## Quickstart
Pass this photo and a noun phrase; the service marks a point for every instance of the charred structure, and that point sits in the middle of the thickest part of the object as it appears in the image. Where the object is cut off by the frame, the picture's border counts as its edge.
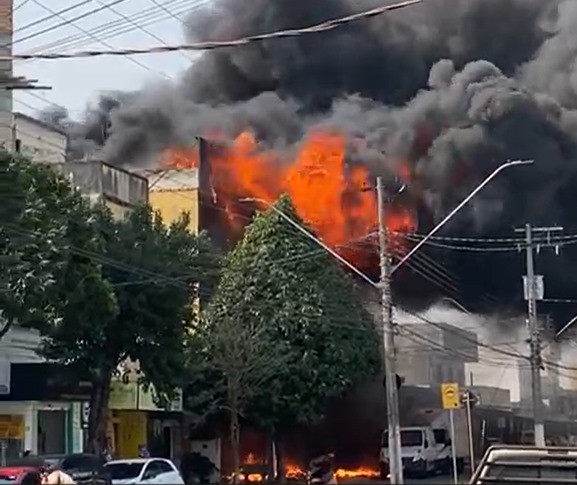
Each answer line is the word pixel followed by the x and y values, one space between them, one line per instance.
pixel 436 96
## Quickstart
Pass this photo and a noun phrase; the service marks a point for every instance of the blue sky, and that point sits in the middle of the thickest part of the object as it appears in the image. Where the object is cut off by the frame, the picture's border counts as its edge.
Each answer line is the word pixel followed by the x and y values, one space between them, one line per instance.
pixel 124 23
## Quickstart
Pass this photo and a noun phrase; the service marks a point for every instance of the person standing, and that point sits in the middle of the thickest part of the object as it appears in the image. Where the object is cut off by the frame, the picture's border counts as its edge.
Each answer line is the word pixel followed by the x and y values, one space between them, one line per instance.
pixel 143 451
pixel 53 476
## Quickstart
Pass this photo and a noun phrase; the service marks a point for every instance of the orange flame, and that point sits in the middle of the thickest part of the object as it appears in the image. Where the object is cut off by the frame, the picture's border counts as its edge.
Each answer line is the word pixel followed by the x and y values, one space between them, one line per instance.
pixel 296 473
pixel 333 198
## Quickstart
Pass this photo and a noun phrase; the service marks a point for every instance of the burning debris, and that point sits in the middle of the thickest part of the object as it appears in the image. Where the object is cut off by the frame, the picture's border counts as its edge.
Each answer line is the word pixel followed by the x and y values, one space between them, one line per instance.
pixel 295 473
pixel 435 97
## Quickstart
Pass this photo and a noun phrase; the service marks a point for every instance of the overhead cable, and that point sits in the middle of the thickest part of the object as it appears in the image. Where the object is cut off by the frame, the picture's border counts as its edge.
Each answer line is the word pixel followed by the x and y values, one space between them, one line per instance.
pixel 212 45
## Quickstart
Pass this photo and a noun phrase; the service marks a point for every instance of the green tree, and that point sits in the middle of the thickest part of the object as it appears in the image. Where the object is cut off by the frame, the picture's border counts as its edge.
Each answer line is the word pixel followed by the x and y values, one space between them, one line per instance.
pixel 155 272
pixel 98 290
pixel 234 360
pixel 41 219
pixel 278 280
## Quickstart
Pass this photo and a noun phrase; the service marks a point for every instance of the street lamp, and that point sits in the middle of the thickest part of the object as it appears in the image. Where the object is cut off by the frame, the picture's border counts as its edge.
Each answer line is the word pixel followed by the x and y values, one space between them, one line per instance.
pixel 451 214
pixel 390 358
pixel 418 246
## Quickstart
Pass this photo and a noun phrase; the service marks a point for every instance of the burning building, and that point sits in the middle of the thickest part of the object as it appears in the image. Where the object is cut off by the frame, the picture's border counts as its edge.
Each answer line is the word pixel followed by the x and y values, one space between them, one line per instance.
pixel 435 96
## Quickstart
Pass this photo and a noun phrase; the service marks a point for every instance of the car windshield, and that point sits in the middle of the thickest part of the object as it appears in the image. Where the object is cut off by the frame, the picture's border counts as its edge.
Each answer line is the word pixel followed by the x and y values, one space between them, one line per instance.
pixel 123 471
pixel 408 438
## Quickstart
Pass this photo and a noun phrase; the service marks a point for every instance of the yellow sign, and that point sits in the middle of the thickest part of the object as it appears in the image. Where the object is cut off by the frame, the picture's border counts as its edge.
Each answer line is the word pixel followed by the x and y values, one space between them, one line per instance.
pixel 123 396
pixel 11 427
pixel 450 395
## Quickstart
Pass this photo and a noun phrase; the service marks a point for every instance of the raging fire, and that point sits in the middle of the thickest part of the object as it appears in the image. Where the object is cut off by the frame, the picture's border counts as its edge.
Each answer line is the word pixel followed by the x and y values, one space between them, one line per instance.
pixel 334 198
pixel 296 473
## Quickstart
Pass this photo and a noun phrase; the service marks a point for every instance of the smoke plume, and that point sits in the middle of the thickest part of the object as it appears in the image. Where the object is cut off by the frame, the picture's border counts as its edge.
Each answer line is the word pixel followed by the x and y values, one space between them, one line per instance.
pixel 449 88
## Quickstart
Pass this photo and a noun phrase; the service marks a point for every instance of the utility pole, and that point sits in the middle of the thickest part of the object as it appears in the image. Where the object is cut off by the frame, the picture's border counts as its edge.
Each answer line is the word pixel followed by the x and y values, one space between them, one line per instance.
pixel 389 350
pixel 534 290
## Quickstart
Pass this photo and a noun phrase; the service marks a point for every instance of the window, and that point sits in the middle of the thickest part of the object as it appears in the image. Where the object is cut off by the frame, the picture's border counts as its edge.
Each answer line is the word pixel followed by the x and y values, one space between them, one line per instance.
pixel 408 438
pixel 412 438
pixel 124 471
pixel 152 470
pixel 5 102
pixel 164 467
pixel 18 145
pixel 440 436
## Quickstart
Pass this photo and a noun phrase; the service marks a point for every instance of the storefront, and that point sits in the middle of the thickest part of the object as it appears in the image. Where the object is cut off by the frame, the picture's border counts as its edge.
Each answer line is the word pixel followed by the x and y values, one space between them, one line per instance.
pixel 41 411
pixel 135 420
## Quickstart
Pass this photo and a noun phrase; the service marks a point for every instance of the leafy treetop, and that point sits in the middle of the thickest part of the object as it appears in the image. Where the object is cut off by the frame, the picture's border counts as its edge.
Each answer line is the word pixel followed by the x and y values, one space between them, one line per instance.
pixel 279 278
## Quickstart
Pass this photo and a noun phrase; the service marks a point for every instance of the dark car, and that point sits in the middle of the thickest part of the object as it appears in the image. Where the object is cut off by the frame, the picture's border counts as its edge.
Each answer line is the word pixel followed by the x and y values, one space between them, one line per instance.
pixel 19 475
pixel 84 468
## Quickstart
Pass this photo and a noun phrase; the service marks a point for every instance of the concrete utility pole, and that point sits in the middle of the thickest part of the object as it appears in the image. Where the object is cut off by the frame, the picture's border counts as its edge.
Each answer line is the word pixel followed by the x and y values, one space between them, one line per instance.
pixel 389 350
pixel 534 290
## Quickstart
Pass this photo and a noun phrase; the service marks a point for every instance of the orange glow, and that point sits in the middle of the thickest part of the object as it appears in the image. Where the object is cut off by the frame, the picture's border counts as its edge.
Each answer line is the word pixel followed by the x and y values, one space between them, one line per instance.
pixel 333 198
pixel 295 473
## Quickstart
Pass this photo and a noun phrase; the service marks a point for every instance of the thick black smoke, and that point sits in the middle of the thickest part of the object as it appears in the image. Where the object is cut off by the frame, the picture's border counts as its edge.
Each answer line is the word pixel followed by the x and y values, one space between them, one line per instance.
pixel 452 88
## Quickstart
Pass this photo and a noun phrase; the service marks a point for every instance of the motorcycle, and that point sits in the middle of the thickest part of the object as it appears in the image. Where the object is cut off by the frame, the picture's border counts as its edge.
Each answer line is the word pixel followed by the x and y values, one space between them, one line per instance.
pixel 321 470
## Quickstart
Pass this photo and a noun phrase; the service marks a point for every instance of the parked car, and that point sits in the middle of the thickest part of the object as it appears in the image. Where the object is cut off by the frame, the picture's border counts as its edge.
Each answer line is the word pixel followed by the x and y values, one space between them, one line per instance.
pixel 143 471
pixel 84 468
pixel 19 475
pixel 505 464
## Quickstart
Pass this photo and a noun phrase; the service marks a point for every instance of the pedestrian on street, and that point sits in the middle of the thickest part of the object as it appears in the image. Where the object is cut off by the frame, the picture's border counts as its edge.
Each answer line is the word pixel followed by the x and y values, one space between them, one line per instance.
pixel 52 476
pixel 143 451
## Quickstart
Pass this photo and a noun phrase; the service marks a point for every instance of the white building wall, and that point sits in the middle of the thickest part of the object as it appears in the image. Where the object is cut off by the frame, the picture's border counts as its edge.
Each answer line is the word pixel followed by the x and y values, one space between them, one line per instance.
pixel 38 141
pixel 19 346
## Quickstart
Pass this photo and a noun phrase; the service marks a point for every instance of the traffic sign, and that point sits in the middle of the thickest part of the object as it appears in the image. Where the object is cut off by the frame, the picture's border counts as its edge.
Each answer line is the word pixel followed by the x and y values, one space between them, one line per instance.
pixel 450 395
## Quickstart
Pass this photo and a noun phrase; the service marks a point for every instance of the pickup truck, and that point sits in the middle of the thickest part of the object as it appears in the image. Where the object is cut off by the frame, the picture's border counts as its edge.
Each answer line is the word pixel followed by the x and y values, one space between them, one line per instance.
pixel 504 464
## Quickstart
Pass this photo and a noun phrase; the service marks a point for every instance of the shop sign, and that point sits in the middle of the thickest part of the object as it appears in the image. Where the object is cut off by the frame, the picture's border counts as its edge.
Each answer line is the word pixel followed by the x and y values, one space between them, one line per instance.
pixel 11 427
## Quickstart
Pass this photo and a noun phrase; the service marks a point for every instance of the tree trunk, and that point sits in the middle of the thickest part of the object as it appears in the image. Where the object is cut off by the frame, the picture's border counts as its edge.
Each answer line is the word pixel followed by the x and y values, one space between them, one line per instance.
pixel 235 443
pixel 281 472
pixel 97 439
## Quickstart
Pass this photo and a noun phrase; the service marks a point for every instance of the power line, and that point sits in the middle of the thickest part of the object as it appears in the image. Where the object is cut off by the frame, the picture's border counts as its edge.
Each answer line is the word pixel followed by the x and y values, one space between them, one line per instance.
pixel 136 25
pixel 82 29
pixel 565 241
pixel 18 7
pixel 114 28
pixel 212 45
pixel 48 17
pixel 61 17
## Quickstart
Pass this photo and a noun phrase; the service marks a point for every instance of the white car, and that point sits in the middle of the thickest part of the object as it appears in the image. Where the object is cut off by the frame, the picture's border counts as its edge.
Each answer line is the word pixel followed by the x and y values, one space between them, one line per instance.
pixel 143 471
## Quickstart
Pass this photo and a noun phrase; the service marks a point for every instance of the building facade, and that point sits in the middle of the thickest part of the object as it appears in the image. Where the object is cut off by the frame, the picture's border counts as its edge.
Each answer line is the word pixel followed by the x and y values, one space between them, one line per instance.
pixel 173 192
pixel 38 410
pixel 431 355
pixel 119 189
pixel 38 141
pixel 6 97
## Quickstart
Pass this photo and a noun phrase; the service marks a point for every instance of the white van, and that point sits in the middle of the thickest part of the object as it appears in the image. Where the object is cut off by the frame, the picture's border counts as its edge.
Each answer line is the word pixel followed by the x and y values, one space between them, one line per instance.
pixel 425 451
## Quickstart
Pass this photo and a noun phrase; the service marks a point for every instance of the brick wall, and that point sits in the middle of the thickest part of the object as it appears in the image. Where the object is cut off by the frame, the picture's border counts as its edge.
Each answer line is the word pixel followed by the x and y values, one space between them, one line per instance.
pixel 6 16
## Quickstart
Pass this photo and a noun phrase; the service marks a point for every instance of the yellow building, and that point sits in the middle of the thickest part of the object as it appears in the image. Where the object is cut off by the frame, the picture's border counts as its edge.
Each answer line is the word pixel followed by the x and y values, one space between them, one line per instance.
pixel 133 415
pixel 130 407
pixel 173 192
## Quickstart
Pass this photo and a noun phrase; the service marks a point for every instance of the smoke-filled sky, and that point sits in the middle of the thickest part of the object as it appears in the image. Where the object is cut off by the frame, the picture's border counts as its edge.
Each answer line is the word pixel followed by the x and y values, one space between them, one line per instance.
pixel 450 89
pixel 128 23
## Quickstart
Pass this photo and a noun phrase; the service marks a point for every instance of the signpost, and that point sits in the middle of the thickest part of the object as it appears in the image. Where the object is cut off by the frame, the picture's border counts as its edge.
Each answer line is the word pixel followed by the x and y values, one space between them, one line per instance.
pixel 469 400
pixel 3 448
pixel 452 400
